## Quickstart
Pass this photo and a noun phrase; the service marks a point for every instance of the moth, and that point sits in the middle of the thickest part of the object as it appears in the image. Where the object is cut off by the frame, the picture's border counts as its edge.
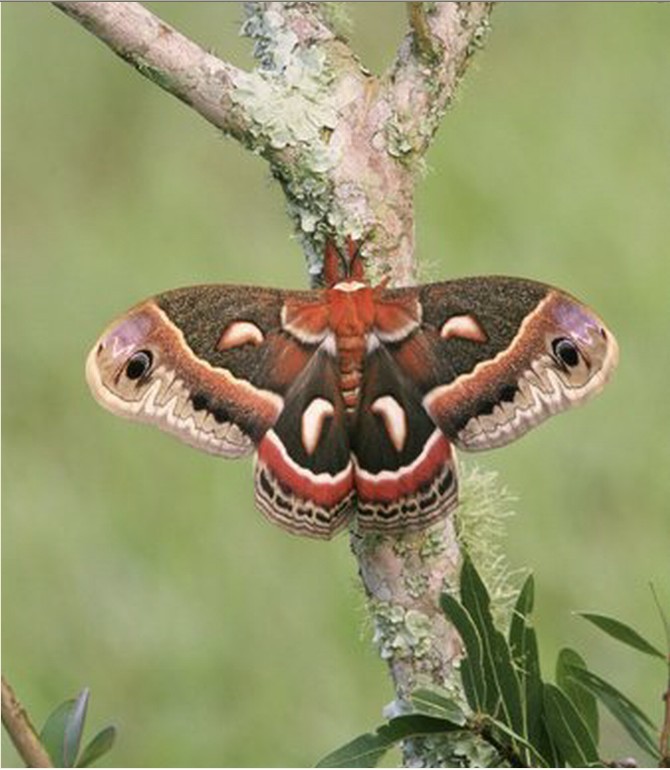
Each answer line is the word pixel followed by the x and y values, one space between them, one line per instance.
pixel 352 396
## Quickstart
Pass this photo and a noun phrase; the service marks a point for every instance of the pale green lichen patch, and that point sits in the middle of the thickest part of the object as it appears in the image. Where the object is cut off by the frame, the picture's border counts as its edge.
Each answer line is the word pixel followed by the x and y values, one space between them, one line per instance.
pixel 433 545
pixel 401 633
pixel 478 39
pixel 453 749
pixel 398 141
pixel 273 39
pixel 401 547
pixel 288 97
pixel 416 584
pixel 285 114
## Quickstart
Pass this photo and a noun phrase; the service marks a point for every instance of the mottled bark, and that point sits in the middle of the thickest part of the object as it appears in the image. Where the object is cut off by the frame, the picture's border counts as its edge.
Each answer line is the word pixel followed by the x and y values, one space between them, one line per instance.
pixel 345 146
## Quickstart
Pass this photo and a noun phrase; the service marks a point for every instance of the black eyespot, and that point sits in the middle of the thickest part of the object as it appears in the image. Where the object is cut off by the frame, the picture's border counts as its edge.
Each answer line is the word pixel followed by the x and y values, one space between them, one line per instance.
pixel 139 364
pixel 565 351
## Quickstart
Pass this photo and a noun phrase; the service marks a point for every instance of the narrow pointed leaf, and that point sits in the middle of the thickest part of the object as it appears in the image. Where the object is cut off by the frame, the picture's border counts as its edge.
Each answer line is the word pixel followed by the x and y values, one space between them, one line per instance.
pixel 636 723
pixel 546 746
pixel 568 730
pixel 472 674
pixel 502 683
pixel 98 747
pixel 665 618
pixel 364 751
pixel 433 703
pixel 367 750
pixel 520 616
pixel 52 736
pixel 582 699
pixel 623 633
pixel 524 649
pixel 74 728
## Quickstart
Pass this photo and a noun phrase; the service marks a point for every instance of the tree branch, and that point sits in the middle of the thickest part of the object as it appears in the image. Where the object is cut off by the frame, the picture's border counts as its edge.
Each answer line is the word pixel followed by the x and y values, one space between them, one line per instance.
pixel 21 731
pixel 170 60
pixel 430 63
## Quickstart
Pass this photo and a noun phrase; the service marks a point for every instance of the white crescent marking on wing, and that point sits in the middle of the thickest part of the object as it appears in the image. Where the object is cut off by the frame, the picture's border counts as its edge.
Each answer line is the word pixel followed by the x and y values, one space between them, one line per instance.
pixel 464 327
pixel 240 333
pixel 395 419
pixel 312 422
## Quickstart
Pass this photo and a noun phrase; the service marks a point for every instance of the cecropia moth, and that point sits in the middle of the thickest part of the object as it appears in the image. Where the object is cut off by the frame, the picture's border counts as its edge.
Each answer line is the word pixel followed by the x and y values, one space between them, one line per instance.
pixel 353 396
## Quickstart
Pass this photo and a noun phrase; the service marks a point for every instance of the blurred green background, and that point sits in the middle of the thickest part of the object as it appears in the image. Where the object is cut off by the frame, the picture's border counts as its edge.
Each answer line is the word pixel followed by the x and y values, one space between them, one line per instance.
pixel 140 568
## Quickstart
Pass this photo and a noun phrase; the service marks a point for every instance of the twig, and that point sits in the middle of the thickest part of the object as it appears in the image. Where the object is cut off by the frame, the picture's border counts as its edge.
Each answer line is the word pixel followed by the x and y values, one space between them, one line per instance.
pixel 430 63
pixel 21 731
pixel 168 58
pixel 423 39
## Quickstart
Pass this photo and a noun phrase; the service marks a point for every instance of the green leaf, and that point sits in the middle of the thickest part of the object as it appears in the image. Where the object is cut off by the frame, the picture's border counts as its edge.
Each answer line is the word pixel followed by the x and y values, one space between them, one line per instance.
pixel 52 736
pixel 520 616
pixel 364 751
pixel 524 649
pixel 568 730
pixel 623 633
pixel 665 619
pixel 99 746
pixel 582 699
pixel 472 673
pixel 368 749
pixel 61 734
pixel 74 728
pixel 502 683
pixel 636 723
pixel 545 745
pixel 435 703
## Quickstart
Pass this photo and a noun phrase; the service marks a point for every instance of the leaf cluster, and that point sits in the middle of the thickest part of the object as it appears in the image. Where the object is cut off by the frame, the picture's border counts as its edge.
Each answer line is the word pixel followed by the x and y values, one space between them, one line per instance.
pixel 62 733
pixel 523 720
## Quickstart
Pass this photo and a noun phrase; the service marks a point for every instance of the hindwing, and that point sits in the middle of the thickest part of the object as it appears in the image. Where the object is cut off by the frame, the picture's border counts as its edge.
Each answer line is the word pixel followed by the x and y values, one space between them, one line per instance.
pixel 405 472
pixel 304 472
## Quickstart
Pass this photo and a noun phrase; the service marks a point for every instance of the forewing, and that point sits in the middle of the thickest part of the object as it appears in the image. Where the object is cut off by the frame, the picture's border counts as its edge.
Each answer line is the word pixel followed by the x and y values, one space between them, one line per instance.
pixel 219 364
pixel 495 356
